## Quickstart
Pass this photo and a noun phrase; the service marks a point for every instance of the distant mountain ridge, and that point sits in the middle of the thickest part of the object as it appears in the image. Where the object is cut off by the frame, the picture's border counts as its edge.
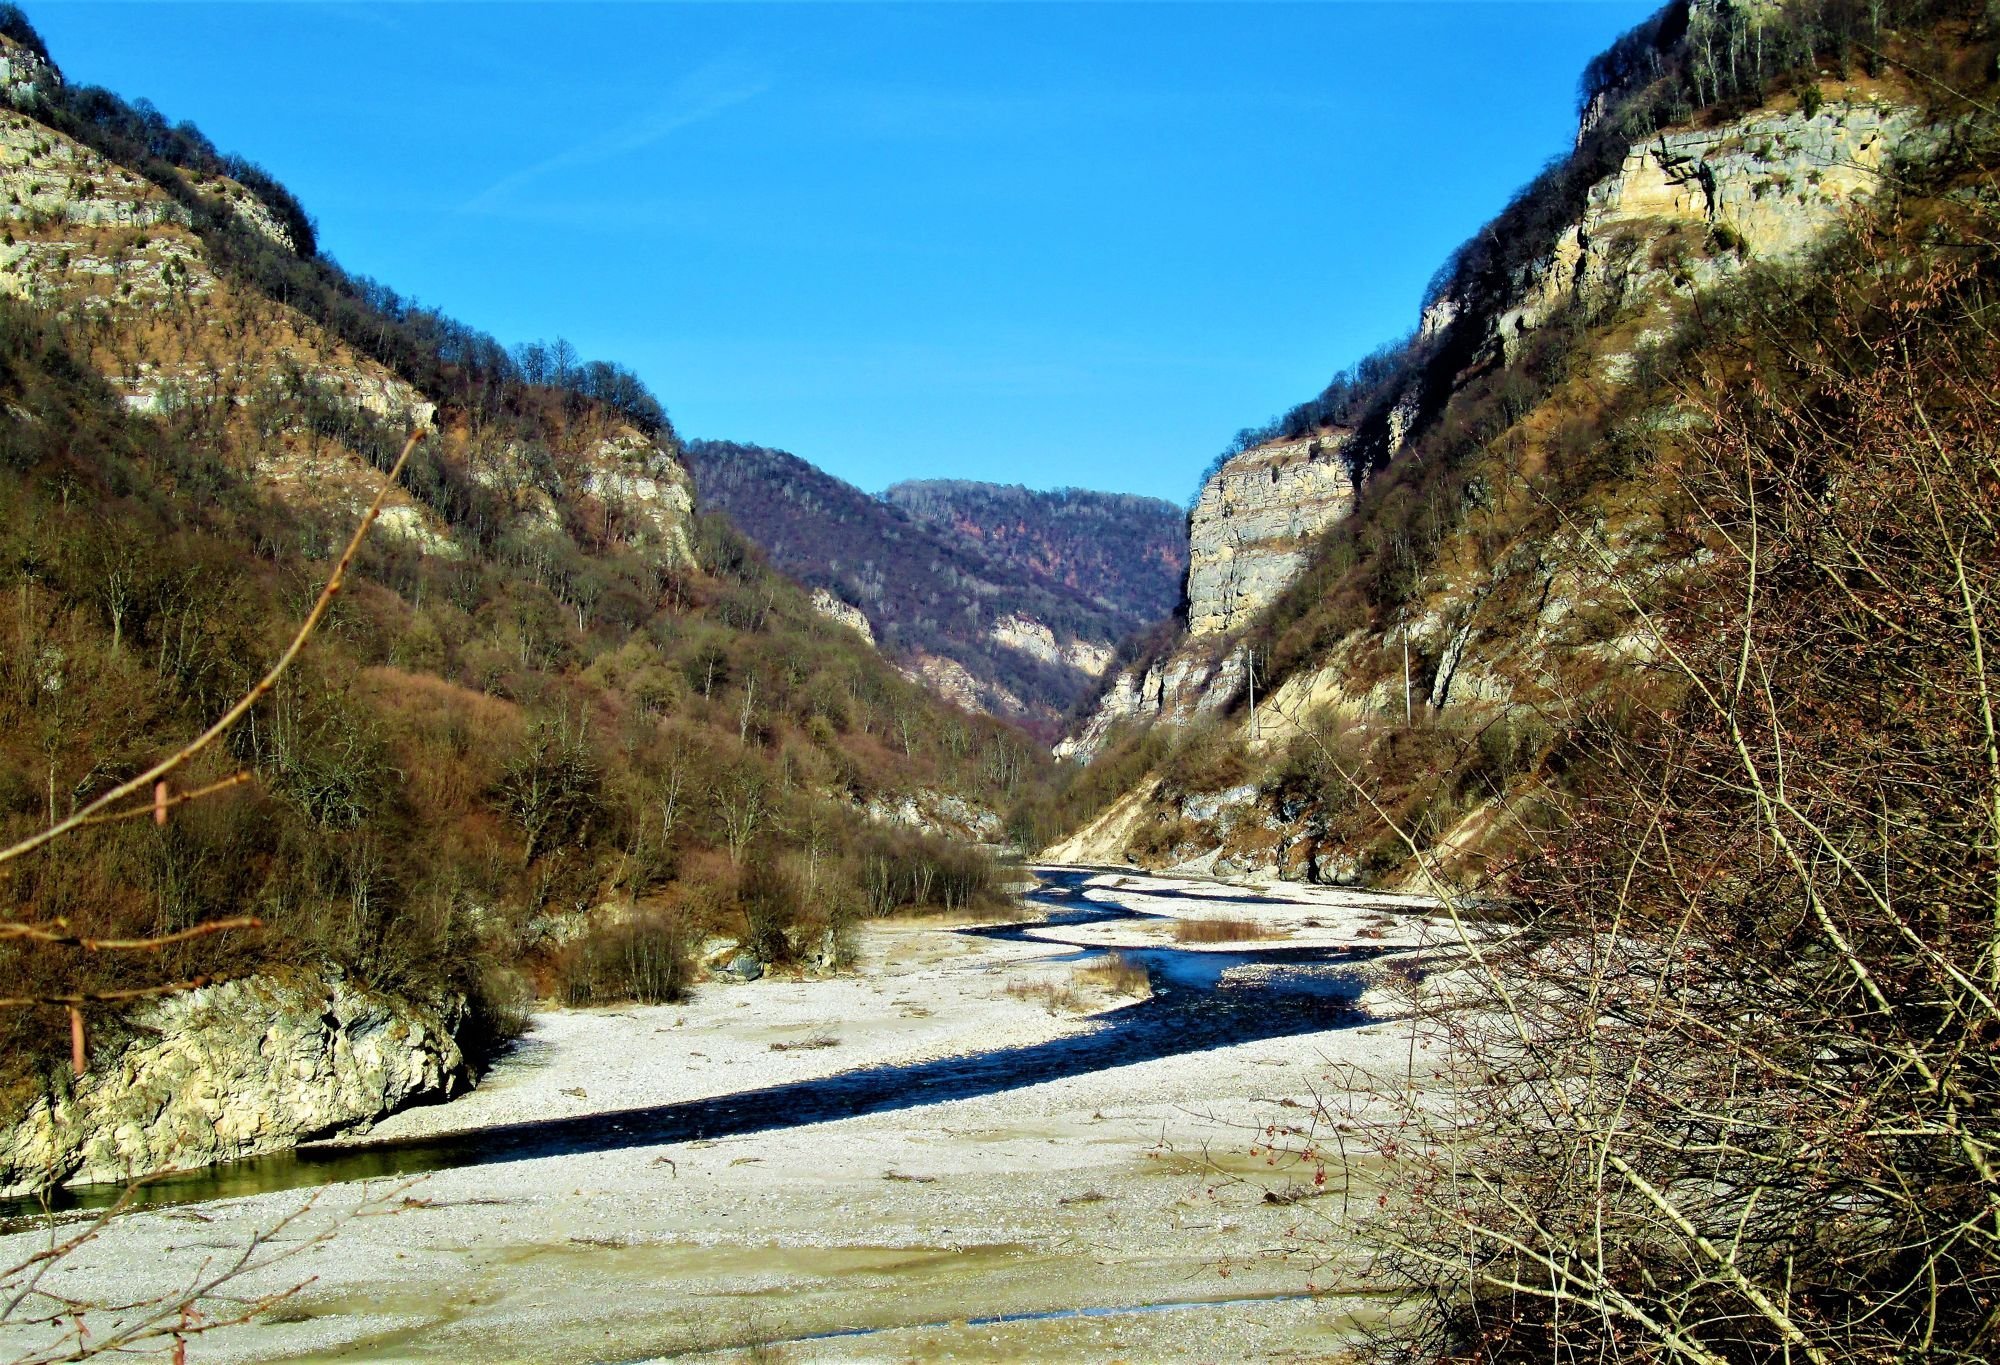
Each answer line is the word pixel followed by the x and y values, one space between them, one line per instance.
pixel 1126 550
pixel 993 596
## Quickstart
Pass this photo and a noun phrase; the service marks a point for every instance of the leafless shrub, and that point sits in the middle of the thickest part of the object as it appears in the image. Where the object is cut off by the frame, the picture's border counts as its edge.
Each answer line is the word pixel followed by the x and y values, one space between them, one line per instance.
pixel 1732 1092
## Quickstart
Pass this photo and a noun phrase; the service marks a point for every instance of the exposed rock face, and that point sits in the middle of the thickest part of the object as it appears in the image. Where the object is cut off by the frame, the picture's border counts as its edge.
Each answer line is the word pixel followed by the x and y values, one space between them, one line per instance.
pixel 24 75
pixel 831 607
pixel 934 812
pixel 1248 534
pixel 1766 187
pixel 1187 684
pixel 253 1065
pixel 951 680
pixel 651 493
pixel 1032 638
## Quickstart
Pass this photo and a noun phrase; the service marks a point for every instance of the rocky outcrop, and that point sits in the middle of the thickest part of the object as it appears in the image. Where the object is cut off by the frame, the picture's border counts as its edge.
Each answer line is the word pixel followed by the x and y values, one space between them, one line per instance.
pixel 24 75
pixel 1255 518
pixel 1031 637
pixel 930 811
pixel 646 489
pixel 833 609
pixel 233 1070
pixel 1190 683
pixel 1762 188
pixel 950 679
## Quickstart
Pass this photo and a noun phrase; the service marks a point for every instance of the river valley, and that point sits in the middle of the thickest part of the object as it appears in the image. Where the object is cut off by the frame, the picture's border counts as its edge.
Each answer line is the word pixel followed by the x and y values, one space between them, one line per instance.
pixel 944 1155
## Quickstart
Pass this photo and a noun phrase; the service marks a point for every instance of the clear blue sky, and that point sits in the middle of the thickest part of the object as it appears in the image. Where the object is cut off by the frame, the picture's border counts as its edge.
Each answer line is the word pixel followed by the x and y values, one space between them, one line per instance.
pixel 1045 244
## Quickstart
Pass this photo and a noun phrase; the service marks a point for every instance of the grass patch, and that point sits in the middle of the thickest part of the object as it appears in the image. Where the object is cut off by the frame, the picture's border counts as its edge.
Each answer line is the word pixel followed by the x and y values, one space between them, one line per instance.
pixel 1218 929
pixel 1057 997
pixel 1115 973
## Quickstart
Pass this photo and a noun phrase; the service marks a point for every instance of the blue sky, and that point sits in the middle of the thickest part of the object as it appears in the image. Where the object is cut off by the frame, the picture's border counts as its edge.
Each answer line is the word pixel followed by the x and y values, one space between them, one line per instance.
pixel 1034 243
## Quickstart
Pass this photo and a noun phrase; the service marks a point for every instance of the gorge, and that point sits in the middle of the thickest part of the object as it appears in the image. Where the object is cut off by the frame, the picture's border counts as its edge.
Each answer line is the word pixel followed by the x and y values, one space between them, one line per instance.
pixel 1507 874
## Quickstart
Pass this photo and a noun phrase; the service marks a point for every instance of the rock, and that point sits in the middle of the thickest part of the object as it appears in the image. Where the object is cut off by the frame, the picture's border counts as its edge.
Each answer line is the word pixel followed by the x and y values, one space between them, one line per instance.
pixel 1335 867
pixel 1209 805
pixel 1251 526
pixel 1029 636
pixel 1765 187
pixel 1189 683
pixel 831 607
pixel 951 680
pixel 930 811
pixel 249 1066
pixel 744 967
pixel 636 477
pixel 24 75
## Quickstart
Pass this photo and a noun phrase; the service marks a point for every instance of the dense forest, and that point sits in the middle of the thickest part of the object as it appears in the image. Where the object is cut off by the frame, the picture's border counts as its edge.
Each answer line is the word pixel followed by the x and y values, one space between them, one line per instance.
pixel 924 588
pixel 1127 551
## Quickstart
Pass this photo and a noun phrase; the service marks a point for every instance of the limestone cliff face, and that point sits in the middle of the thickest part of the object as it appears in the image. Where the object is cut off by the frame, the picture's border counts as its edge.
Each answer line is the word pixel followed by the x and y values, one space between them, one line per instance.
pixel 643 491
pixel 1249 530
pixel 1684 212
pixel 954 682
pixel 833 609
pixel 1766 187
pixel 250 1066
pixel 1248 536
pixel 1192 682
pixel 1031 637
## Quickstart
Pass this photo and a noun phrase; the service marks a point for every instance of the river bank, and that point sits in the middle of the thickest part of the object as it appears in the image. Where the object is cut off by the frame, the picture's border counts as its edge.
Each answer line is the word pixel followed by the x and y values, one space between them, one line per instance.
pixel 890 1235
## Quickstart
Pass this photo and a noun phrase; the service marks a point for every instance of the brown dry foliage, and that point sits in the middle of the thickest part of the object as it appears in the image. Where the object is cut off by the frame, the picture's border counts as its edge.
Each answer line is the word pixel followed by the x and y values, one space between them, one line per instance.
pixel 1733 1093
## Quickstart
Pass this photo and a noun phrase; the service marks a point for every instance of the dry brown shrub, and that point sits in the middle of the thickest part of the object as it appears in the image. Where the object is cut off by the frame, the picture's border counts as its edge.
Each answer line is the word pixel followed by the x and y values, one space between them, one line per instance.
pixel 1220 929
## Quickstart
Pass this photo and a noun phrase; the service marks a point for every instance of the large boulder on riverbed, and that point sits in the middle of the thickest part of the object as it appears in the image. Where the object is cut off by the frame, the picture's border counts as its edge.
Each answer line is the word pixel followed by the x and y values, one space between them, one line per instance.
pixel 249 1066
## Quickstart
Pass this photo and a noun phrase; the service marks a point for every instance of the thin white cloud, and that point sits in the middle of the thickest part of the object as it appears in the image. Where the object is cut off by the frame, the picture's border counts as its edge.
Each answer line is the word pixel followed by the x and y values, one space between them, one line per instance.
pixel 700 95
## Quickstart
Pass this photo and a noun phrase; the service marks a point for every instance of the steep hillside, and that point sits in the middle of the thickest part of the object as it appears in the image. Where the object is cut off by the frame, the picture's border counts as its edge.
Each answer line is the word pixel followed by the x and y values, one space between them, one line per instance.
pixel 561 733
pixel 984 626
pixel 1423 572
pixel 1126 551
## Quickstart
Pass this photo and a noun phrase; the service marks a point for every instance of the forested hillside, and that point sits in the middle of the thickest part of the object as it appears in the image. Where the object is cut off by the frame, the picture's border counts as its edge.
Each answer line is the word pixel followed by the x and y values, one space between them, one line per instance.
pixel 1659 619
pixel 998 629
pixel 1128 552
pixel 559 730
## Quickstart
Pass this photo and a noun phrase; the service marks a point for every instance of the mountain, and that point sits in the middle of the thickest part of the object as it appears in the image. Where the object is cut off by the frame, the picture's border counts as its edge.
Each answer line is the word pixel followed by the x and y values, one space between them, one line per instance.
pixel 561 727
pixel 1127 551
pixel 1018 622
pixel 1638 608
pixel 1439 544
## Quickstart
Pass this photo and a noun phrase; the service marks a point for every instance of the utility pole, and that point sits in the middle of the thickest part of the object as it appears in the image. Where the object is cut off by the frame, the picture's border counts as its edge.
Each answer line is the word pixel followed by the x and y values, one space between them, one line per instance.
pixel 1250 671
pixel 1405 624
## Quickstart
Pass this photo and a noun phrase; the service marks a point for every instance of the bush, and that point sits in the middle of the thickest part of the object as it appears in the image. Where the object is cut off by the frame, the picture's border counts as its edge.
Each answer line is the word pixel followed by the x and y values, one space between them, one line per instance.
pixel 771 902
pixel 643 959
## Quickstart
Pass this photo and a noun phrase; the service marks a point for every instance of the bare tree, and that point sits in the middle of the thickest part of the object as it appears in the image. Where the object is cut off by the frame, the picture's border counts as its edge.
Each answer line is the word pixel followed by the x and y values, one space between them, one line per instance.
pixel 207 1298
pixel 1727 1089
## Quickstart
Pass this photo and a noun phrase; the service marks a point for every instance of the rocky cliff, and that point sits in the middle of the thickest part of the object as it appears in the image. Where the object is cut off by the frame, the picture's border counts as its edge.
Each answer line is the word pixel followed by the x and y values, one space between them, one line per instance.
pixel 1252 523
pixel 1496 628
pixel 1690 207
pixel 503 751
pixel 250 1066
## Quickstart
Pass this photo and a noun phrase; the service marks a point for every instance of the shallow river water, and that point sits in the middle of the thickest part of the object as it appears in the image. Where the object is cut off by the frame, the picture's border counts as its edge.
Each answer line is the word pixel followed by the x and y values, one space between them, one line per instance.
pixel 1200 1000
